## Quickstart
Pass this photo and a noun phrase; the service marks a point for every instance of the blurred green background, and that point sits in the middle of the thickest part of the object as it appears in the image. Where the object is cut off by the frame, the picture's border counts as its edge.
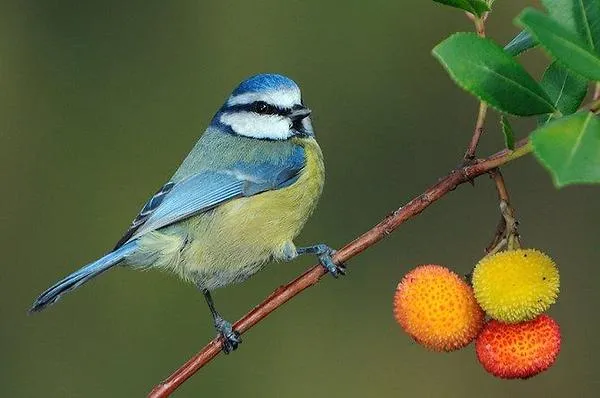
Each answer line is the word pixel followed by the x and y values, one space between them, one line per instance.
pixel 100 101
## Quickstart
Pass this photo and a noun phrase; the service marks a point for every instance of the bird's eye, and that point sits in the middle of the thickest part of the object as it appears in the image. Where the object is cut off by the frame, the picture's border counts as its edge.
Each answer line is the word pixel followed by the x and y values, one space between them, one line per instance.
pixel 263 108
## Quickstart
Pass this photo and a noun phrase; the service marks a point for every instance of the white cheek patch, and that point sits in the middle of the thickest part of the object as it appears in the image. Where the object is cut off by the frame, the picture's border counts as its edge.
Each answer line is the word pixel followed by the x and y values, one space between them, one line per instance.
pixel 283 98
pixel 250 124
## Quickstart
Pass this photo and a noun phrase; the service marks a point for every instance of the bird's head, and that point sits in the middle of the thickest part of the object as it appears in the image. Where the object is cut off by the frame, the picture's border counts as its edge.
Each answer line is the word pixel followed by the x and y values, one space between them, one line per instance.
pixel 265 106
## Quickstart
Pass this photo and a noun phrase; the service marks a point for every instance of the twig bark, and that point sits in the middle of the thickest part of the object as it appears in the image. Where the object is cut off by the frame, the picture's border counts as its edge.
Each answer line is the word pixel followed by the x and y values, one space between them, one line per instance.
pixel 312 276
pixel 496 175
pixel 507 234
pixel 470 153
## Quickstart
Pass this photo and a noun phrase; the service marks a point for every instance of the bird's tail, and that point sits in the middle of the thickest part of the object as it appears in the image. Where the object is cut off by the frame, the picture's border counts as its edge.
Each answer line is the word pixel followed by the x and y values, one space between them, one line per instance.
pixel 81 276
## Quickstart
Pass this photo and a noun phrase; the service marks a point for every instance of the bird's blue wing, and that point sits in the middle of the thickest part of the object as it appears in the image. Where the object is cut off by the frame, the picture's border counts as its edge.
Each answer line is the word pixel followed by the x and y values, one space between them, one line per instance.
pixel 206 190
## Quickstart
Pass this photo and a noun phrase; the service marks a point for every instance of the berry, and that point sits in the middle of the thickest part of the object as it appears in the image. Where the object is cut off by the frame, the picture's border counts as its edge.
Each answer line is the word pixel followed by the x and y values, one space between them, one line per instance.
pixel 519 350
pixel 516 285
pixel 437 308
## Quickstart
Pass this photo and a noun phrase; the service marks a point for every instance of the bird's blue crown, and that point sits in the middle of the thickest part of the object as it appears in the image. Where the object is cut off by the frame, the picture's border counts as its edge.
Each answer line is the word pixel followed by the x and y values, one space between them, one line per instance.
pixel 265 82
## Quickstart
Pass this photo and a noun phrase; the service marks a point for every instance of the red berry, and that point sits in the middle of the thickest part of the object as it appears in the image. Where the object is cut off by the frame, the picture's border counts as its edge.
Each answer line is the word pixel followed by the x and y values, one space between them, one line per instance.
pixel 518 350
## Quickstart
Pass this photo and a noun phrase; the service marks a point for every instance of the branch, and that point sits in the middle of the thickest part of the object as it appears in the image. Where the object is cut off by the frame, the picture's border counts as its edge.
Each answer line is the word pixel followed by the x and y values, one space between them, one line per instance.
pixel 284 293
pixel 507 234
pixel 470 153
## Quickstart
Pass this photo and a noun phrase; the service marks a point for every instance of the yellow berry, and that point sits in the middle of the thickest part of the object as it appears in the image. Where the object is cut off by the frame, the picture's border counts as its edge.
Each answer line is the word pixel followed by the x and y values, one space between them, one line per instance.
pixel 516 285
pixel 437 308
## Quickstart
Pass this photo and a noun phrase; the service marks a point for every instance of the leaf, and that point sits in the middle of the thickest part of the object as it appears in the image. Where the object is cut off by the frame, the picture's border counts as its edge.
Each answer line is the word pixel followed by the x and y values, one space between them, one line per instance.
pixel 482 68
pixel 565 88
pixel 587 18
pixel 562 44
pixel 570 148
pixel 522 42
pixel 476 7
pixel 579 16
pixel 509 135
pixel 563 12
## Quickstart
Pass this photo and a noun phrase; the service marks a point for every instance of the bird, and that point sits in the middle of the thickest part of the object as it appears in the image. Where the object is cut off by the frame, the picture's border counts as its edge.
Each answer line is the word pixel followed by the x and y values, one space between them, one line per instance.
pixel 235 204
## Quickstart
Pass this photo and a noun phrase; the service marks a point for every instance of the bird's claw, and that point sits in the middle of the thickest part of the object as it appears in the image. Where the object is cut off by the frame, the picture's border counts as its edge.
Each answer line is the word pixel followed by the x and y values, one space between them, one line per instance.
pixel 230 338
pixel 326 260
pixel 325 255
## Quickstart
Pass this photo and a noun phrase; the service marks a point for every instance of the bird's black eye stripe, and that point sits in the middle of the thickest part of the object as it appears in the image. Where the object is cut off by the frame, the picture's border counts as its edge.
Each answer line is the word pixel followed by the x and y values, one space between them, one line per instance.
pixel 260 107
pixel 263 108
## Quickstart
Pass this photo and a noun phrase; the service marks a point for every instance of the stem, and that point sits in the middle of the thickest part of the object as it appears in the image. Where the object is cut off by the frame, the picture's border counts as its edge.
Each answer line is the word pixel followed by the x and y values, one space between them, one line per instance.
pixel 478 22
pixel 594 107
pixel 596 91
pixel 507 234
pixel 480 25
pixel 500 185
pixel 470 154
pixel 312 276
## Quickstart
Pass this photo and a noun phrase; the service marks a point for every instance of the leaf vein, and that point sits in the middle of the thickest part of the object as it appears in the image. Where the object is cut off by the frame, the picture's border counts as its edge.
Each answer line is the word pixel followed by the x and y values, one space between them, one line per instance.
pixel 578 141
pixel 513 82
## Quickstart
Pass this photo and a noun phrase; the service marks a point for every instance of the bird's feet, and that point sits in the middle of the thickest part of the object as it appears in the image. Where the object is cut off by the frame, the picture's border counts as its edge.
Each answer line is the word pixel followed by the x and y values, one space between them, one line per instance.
pixel 324 253
pixel 231 338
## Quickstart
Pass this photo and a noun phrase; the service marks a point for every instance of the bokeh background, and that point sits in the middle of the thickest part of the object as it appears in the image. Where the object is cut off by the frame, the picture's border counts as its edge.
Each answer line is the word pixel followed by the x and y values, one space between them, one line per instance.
pixel 100 101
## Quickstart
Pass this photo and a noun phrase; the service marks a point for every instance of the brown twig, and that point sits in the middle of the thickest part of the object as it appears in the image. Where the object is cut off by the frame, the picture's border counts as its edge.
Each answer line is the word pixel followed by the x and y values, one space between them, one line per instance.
pixel 478 131
pixel 596 95
pixel 500 185
pixel 357 246
pixel 507 235
pixel 470 153
pixel 501 228
pixel 507 211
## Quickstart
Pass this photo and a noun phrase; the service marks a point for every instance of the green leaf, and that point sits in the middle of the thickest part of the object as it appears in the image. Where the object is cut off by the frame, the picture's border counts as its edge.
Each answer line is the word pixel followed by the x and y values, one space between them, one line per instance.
pixel 579 16
pixel 588 22
pixel 476 7
pixel 564 12
pixel 522 42
pixel 565 88
pixel 562 44
pixel 509 135
pixel 482 68
pixel 570 148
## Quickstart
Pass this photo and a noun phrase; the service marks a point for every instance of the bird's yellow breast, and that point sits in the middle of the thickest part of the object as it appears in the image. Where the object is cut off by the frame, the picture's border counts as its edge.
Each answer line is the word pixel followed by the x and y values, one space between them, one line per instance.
pixel 233 241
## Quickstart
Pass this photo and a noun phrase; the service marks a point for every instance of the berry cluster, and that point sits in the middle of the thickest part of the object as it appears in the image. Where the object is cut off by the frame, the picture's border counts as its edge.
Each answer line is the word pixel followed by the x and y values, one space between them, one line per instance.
pixel 442 312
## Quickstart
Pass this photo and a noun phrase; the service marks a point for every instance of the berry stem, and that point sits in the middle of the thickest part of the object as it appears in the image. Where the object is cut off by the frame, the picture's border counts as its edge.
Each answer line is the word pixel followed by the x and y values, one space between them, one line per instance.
pixel 507 234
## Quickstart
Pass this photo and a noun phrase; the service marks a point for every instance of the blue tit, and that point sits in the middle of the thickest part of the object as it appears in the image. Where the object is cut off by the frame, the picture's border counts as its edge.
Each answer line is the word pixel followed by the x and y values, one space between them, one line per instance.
pixel 237 201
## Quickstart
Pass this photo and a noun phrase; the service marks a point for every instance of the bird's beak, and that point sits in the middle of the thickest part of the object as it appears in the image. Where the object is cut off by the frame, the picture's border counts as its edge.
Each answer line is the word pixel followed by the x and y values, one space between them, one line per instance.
pixel 298 114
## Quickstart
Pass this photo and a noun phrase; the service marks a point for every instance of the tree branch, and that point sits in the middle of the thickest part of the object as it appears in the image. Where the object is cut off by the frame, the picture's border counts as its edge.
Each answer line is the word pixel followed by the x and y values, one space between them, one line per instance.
pixel 507 234
pixel 470 153
pixel 284 293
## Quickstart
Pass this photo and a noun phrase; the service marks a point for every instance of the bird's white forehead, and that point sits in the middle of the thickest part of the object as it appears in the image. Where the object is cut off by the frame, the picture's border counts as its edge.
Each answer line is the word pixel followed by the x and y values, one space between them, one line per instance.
pixel 283 97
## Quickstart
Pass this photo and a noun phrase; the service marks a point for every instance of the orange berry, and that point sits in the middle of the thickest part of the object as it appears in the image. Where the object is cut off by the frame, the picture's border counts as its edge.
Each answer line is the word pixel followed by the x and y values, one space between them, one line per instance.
pixel 437 308
pixel 518 350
